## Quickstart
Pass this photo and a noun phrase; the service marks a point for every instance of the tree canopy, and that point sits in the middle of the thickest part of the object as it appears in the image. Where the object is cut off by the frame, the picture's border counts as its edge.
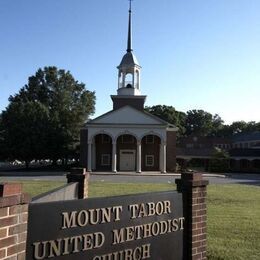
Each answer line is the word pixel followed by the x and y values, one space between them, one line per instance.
pixel 170 115
pixel 201 123
pixel 44 119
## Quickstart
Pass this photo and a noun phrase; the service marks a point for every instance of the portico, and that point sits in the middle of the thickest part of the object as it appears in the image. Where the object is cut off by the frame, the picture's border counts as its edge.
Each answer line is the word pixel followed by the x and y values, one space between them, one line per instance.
pixel 135 148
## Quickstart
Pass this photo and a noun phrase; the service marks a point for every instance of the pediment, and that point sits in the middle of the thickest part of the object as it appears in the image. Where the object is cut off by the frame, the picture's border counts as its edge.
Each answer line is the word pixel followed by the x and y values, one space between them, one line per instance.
pixel 128 115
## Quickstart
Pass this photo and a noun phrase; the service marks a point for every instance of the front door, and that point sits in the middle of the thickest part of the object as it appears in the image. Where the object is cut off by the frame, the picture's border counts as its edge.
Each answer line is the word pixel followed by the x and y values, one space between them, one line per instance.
pixel 127 160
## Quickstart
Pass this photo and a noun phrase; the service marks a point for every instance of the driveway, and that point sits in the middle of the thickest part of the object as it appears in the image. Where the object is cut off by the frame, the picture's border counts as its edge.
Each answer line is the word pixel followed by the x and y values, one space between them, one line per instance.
pixel 249 179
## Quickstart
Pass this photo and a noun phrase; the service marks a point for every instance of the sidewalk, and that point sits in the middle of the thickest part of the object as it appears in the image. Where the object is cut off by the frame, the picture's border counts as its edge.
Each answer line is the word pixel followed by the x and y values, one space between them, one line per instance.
pixel 64 173
pixel 205 174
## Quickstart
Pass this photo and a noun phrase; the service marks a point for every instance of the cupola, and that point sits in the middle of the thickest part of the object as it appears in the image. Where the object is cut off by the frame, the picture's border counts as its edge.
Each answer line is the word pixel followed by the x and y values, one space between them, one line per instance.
pixel 128 91
pixel 129 68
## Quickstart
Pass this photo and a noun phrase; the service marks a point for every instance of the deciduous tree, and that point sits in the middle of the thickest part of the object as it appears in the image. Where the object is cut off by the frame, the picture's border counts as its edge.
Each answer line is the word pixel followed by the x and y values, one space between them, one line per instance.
pixel 170 115
pixel 200 122
pixel 45 117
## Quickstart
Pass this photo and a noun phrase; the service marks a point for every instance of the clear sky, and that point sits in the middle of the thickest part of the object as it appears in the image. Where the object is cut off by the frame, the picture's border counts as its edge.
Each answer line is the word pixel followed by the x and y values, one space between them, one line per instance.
pixel 195 54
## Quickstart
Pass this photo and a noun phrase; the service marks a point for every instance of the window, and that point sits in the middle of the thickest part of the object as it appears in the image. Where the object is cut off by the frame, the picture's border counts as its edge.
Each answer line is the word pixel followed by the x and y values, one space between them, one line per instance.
pixel 105 139
pixel 149 139
pixel 105 159
pixel 149 160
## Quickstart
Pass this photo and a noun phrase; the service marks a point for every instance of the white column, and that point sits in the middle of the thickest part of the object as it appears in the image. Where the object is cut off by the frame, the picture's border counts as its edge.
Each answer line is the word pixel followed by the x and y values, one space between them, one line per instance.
pixel 114 157
pixel 163 157
pixel 123 79
pixel 89 157
pixel 139 157
pixel 133 79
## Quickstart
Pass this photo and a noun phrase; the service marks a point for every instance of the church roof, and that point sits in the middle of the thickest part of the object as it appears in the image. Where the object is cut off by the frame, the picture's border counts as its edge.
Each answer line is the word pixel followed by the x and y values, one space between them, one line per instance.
pixel 128 60
pixel 129 115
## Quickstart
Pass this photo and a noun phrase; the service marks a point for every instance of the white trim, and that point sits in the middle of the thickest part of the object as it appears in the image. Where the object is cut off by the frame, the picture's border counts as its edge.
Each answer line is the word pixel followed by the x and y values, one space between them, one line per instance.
pixel 151 126
pixel 146 160
pixel 108 159
pixel 133 115
pixel 99 132
pixel 138 133
pixel 126 132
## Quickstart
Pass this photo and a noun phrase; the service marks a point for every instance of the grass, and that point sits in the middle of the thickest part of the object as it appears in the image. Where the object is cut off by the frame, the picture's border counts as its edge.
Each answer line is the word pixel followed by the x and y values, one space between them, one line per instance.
pixel 233 222
pixel 233 214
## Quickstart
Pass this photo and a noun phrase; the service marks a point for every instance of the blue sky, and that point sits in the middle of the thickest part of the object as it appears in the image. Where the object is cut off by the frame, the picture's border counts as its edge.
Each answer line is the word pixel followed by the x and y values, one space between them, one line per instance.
pixel 195 54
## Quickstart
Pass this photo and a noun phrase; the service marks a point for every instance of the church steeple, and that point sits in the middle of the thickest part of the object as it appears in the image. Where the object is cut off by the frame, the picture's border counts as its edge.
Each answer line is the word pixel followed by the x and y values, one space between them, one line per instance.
pixel 129 69
pixel 129 38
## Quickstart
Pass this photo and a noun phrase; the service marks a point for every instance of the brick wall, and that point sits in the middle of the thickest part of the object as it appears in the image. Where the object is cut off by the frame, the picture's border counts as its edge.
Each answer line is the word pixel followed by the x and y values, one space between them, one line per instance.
pixel 81 176
pixel 151 149
pixel 137 103
pixel 13 221
pixel 84 148
pixel 194 191
pixel 171 151
pixel 103 148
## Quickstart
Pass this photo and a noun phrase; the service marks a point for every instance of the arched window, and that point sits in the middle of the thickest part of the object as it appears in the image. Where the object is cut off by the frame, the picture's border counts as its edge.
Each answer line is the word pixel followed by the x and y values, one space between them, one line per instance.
pixel 129 80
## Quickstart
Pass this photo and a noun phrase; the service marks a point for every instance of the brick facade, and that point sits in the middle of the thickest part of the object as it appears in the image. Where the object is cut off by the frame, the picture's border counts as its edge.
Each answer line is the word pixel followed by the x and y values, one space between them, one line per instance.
pixel 13 221
pixel 14 214
pixel 135 102
pixel 171 152
pixel 103 148
pixel 84 147
pixel 81 176
pixel 151 149
pixel 194 190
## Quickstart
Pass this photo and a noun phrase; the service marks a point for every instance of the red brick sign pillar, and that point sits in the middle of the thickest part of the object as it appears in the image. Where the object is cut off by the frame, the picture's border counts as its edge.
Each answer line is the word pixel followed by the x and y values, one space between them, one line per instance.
pixel 13 221
pixel 81 176
pixel 194 190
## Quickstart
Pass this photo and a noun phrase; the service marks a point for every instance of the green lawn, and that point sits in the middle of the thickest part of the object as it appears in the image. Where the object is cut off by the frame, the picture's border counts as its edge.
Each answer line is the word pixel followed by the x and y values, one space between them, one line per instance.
pixel 233 222
pixel 233 214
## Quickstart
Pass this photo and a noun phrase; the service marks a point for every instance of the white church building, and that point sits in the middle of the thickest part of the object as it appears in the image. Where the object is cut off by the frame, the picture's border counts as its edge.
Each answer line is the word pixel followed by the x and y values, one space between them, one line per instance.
pixel 128 138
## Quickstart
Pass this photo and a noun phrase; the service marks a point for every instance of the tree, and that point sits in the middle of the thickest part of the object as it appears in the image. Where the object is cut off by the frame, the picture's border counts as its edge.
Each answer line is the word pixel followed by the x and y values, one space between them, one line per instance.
pixel 202 123
pixel 219 162
pixel 26 130
pixel 3 152
pixel 44 119
pixel 170 115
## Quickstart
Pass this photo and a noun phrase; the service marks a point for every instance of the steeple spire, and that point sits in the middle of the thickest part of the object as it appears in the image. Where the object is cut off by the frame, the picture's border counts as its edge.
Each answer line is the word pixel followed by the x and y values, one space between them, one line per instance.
pixel 129 39
pixel 129 69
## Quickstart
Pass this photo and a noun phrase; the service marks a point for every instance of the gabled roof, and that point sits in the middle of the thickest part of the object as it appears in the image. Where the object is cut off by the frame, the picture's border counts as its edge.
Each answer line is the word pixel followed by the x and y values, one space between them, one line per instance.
pixel 128 115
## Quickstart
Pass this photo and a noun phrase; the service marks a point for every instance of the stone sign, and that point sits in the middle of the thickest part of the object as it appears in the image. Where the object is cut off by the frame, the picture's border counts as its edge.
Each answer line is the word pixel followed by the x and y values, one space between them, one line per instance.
pixel 132 227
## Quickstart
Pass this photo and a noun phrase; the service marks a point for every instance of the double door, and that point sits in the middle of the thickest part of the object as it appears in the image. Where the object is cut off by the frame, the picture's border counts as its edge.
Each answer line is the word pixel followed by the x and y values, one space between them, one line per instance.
pixel 127 160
